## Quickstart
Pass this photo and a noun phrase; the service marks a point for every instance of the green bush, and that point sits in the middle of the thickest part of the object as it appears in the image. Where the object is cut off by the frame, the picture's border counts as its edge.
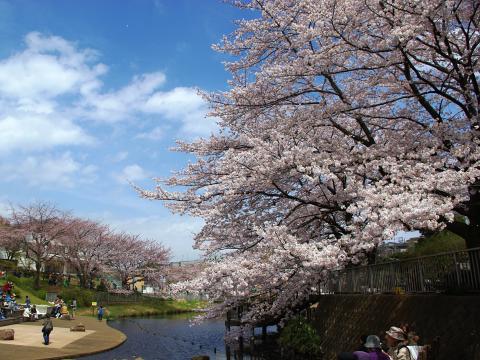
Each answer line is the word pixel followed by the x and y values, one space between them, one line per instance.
pixel 41 294
pixel 84 296
pixel 299 338
pixel 18 293
pixel 102 287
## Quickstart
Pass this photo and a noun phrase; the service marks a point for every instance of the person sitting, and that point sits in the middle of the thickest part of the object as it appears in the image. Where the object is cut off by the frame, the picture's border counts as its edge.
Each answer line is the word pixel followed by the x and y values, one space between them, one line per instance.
pixel 64 310
pixel 57 306
pixel 7 287
pixel 27 314
pixel 33 313
pixel 11 305
pixel 412 344
pixel 396 340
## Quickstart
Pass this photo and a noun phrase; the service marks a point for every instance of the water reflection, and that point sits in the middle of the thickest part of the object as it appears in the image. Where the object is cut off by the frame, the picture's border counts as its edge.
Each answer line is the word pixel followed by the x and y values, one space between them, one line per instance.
pixel 167 338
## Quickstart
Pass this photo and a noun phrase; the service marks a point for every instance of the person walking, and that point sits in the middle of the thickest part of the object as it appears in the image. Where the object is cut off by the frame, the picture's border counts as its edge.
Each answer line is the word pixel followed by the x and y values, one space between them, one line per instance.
pixel 47 329
pixel 74 307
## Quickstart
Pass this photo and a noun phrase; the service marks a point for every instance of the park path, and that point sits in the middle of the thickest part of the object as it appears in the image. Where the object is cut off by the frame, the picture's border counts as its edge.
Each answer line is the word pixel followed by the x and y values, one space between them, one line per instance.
pixel 28 340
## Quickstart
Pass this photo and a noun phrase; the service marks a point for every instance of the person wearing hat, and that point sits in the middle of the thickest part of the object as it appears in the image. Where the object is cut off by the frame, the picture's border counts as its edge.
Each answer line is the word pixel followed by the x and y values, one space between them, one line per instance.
pixel 374 350
pixel 396 341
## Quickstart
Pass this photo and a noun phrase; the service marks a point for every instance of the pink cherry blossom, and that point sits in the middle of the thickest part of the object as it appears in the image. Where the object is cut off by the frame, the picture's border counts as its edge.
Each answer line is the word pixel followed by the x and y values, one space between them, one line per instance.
pixel 345 122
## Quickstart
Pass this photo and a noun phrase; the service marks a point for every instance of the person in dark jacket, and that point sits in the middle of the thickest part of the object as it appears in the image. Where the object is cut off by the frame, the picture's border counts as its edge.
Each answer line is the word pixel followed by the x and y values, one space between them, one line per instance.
pixel 47 329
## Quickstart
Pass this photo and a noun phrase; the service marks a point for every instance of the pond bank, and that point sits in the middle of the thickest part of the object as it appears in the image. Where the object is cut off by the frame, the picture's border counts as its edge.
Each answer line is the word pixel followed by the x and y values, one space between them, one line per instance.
pixel 64 344
pixel 148 308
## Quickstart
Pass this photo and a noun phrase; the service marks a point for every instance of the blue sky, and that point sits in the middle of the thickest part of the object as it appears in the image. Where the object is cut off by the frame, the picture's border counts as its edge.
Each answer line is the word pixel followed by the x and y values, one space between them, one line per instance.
pixel 94 93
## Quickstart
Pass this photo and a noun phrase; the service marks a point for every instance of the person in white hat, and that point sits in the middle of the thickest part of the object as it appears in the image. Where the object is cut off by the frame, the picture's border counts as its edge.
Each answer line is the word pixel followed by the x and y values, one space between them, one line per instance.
pixel 396 339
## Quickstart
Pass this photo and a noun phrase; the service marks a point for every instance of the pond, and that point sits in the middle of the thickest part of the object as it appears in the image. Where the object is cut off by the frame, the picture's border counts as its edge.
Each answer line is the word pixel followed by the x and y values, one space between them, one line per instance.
pixel 167 338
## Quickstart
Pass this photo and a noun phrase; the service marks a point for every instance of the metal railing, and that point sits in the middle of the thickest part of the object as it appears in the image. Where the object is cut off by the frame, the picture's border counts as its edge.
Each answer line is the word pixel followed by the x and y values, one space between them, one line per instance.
pixel 457 271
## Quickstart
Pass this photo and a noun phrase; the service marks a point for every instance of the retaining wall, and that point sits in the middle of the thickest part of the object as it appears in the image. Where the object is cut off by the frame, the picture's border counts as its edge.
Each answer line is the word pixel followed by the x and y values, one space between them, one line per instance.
pixel 341 319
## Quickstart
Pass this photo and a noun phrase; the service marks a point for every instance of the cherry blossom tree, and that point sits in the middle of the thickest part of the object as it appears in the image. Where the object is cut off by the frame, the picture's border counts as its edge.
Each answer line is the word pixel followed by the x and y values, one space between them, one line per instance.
pixel 346 121
pixel 87 246
pixel 131 256
pixel 11 239
pixel 183 272
pixel 42 226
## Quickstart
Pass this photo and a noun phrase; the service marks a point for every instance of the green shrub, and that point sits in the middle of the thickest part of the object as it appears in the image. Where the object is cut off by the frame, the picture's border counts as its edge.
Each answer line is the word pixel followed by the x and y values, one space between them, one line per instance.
pixel 41 294
pixel 18 293
pixel 102 287
pixel 84 296
pixel 299 338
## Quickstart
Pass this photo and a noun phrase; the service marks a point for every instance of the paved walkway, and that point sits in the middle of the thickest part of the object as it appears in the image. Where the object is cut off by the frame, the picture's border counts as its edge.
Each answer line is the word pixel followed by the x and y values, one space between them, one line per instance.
pixel 64 343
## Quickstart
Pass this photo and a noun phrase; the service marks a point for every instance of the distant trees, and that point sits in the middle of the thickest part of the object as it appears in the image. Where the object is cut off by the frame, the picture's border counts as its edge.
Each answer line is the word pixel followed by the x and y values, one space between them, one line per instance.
pixel 132 256
pixel 86 247
pixel 11 239
pixel 42 227
pixel 43 233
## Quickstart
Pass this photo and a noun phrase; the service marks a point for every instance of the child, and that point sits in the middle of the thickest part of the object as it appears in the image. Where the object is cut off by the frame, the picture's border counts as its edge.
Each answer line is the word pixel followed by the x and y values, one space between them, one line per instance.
pixel 100 313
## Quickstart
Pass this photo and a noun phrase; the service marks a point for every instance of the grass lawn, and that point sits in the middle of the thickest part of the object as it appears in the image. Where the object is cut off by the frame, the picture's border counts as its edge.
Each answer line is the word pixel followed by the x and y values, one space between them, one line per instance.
pixel 147 308
pixel 21 292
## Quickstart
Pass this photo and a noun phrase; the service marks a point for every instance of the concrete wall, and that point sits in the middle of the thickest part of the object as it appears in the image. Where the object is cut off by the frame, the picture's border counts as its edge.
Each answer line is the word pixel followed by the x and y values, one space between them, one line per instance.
pixel 341 319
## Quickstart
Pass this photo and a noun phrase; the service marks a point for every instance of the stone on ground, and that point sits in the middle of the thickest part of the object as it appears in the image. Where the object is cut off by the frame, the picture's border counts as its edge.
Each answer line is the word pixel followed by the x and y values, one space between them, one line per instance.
pixel 7 334
pixel 78 327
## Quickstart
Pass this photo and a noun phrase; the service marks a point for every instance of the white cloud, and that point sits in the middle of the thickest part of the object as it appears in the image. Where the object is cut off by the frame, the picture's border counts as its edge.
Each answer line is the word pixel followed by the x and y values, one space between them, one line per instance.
pixel 32 131
pixel 132 172
pixel 185 105
pixel 120 156
pixel 52 86
pixel 122 104
pixel 31 116
pixel 47 170
pixel 181 105
pixel 155 134
pixel 48 67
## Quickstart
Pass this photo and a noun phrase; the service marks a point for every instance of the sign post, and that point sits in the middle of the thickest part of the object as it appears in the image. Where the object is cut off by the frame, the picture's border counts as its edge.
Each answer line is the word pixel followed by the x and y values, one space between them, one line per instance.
pixel 94 305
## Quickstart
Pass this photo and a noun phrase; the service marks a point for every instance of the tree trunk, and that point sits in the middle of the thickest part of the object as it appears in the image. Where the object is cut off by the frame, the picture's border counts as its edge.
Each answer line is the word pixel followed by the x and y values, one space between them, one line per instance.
pixel 36 282
pixel 125 282
pixel 469 229
pixel 81 279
